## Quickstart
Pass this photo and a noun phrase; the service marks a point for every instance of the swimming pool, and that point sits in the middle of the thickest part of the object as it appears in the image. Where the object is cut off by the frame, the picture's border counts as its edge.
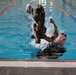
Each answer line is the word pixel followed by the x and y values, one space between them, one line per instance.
pixel 15 30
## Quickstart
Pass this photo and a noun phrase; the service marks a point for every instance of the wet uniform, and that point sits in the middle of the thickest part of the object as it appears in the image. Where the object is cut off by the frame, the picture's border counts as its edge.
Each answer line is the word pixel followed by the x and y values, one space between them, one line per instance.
pixel 50 49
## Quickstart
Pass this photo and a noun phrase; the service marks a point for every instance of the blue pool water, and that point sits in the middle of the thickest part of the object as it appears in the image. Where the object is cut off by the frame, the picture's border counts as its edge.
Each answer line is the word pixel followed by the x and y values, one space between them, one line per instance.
pixel 15 30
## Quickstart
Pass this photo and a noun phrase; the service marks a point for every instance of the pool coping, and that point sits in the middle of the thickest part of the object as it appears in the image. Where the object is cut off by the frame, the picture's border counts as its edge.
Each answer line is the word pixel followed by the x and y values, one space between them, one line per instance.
pixel 48 63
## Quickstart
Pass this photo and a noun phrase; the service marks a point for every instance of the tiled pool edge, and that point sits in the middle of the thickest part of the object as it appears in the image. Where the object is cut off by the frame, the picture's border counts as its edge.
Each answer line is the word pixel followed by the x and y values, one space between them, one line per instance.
pixel 37 63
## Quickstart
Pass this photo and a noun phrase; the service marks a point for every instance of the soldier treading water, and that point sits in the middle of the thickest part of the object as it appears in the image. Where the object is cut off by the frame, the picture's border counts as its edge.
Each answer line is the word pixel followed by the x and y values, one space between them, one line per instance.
pixel 55 39
pixel 55 46
pixel 39 16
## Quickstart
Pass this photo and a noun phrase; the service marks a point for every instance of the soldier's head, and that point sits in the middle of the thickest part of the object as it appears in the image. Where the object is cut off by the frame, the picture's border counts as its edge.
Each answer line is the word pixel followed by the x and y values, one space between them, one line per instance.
pixel 60 40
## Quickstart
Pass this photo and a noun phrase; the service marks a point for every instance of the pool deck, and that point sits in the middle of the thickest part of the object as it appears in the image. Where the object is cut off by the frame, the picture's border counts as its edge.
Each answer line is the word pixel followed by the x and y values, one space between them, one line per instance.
pixel 37 67
pixel 36 71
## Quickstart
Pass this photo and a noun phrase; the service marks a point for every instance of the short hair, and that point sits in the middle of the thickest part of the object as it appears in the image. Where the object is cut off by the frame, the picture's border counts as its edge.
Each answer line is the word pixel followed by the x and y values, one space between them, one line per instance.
pixel 64 34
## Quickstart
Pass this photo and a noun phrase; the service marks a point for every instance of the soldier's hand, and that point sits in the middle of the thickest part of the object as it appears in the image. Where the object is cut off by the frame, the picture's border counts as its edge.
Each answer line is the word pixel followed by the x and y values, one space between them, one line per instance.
pixel 51 20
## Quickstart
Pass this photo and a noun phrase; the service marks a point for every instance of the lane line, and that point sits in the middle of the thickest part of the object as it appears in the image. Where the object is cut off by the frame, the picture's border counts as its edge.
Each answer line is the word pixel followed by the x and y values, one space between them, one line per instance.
pixel 7 6
pixel 67 13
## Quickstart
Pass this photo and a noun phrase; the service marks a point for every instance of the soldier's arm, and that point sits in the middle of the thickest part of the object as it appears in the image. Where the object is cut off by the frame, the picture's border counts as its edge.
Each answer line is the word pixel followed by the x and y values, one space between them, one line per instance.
pixel 55 28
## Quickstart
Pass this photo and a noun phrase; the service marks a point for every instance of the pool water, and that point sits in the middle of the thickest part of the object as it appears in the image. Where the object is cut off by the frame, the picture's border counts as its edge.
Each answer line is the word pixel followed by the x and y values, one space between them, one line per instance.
pixel 15 30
